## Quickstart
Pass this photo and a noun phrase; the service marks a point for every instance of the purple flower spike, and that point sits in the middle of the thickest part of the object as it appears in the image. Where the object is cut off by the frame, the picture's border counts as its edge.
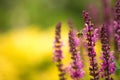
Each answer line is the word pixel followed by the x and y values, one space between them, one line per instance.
pixel 112 63
pixel 111 66
pixel 117 27
pixel 76 67
pixel 58 52
pixel 91 36
pixel 108 66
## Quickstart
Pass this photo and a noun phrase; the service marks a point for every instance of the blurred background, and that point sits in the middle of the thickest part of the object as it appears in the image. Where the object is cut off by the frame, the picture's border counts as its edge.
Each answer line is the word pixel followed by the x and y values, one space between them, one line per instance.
pixel 27 30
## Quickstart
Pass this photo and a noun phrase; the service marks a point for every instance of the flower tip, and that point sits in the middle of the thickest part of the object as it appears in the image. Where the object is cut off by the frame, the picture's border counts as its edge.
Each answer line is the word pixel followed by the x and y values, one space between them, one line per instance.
pixel 70 23
pixel 59 25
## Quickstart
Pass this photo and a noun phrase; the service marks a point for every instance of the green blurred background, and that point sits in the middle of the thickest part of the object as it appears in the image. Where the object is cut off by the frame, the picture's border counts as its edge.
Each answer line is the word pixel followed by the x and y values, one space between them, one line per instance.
pixel 21 13
pixel 27 35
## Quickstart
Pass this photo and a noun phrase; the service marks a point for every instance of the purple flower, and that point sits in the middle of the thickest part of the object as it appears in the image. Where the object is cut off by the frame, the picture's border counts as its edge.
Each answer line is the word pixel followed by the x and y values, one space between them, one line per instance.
pixel 111 65
pixel 117 35
pixel 108 66
pixel 58 52
pixel 117 27
pixel 76 67
pixel 91 36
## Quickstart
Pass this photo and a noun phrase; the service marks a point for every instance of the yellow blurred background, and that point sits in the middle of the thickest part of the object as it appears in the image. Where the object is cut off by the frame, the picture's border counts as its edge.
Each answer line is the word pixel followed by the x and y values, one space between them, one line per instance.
pixel 26 54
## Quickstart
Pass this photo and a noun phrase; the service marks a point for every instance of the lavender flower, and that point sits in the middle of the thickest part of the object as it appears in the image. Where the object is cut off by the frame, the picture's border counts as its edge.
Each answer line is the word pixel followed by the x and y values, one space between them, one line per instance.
pixel 111 64
pixel 91 37
pixel 108 63
pixel 117 38
pixel 108 66
pixel 117 26
pixel 76 70
pixel 58 52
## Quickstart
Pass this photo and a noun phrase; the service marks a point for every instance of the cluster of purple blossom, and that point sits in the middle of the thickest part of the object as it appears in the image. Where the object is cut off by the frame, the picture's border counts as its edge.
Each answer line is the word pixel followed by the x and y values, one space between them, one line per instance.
pixel 90 35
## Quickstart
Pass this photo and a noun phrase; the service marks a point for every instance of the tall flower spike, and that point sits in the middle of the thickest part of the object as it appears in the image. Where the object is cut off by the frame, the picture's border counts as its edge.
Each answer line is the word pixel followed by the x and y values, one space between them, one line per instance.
pixel 91 37
pixel 76 67
pixel 58 52
pixel 117 27
pixel 107 56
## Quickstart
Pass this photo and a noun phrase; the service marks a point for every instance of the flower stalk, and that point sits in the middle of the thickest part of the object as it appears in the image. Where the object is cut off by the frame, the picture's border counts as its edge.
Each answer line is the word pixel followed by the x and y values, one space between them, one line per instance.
pixel 107 56
pixel 91 37
pixel 76 67
pixel 58 52
pixel 117 28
